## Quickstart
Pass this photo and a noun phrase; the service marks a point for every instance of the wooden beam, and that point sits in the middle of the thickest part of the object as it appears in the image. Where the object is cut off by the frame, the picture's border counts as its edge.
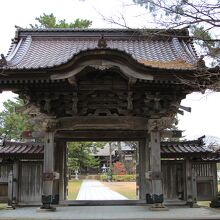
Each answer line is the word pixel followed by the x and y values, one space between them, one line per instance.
pixel 103 123
pixel 104 135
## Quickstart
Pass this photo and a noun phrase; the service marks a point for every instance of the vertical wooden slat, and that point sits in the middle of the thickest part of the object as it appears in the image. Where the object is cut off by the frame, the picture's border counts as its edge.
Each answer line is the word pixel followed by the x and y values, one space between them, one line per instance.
pixel 30 182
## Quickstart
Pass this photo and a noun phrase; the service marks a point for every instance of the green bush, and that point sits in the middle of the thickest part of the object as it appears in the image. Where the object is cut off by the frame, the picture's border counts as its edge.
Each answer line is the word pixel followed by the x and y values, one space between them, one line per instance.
pixel 104 177
pixel 119 178
pixel 124 178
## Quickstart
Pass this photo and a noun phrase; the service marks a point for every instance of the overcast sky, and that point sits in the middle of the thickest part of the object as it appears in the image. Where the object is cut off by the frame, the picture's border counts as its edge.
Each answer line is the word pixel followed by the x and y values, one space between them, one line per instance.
pixel 205 116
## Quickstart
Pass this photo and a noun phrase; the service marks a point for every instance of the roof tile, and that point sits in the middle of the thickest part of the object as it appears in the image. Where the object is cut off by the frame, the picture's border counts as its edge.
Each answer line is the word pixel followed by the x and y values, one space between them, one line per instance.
pixel 33 52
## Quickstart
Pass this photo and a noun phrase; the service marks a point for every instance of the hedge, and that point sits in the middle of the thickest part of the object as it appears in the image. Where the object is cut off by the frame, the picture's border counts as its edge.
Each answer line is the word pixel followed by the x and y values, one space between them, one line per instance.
pixel 119 178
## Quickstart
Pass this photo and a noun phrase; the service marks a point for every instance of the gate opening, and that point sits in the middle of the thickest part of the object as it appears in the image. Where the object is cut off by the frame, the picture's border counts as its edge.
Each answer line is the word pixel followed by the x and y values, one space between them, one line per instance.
pixel 101 170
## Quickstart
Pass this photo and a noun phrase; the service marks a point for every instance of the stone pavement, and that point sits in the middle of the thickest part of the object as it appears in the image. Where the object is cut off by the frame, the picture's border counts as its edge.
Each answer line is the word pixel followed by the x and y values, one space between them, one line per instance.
pixel 110 212
pixel 95 190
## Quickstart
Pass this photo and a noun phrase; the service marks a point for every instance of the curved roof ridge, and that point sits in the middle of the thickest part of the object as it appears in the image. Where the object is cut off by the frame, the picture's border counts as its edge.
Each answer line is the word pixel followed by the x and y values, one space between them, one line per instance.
pixel 181 51
pixel 20 51
pixel 12 52
pixel 181 30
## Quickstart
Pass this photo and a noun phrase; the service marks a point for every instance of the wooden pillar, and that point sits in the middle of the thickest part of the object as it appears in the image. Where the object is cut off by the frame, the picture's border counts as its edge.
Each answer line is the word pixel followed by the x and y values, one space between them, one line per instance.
pixel 188 166
pixel 65 171
pixel 155 164
pixel 15 182
pixel 10 190
pixel 141 171
pixel 154 175
pixel 194 187
pixel 48 171
pixel 215 180
pixel 143 168
pixel 61 166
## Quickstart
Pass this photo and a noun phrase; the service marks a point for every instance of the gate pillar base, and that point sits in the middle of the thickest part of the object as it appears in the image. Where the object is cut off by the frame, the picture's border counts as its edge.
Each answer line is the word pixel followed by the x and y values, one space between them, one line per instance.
pixel 46 204
pixel 46 209
pixel 158 207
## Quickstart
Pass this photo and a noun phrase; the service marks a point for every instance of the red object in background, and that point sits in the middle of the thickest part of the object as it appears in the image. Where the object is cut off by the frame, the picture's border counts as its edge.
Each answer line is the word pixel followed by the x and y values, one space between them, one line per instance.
pixel 118 168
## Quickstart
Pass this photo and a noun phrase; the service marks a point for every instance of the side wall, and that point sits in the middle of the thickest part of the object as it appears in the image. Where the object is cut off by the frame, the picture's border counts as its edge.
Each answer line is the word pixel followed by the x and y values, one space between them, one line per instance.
pixel 5 168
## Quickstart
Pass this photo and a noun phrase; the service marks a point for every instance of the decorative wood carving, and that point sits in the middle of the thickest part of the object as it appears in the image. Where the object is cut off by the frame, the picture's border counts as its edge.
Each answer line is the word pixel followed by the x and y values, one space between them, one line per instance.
pixel 130 101
pixel 50 125
pixel 102 43
pixel 160 124
pixel 3 60
pixel 74 105
pixel 103 93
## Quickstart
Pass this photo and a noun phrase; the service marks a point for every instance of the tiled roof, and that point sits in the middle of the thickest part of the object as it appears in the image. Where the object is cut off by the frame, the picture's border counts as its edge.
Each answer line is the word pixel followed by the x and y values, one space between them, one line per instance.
pixel 47 48
pixel 21 150
pixel 192 149
pixel 185 148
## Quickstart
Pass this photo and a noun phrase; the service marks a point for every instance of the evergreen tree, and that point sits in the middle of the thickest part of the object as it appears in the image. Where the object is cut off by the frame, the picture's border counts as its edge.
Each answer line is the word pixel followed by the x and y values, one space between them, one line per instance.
pixel 12 123
pixel 50 21
pixel 81 155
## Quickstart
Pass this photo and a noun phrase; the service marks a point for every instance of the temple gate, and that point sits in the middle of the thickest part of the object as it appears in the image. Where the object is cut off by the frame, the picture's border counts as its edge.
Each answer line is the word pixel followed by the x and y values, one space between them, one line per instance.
pixel 98 84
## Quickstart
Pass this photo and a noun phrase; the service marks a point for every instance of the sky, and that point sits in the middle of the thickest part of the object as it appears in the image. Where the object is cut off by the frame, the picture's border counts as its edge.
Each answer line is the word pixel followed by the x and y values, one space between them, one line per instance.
pixel 204 118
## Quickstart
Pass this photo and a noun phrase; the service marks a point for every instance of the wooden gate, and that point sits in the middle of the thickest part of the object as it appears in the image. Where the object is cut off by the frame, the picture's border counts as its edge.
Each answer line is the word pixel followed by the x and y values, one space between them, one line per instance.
pixel 30 182
pixel 173 179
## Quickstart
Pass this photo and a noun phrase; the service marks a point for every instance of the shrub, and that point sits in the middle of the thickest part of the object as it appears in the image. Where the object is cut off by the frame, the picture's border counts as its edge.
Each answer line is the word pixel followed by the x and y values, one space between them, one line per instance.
pixel 119 178
pixel 118 168
pixel 124 178
pixel 104 177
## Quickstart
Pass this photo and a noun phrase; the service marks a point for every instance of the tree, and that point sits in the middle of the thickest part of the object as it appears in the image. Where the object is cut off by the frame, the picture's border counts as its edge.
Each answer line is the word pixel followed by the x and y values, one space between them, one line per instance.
pixel 81 155
pixel 50 21
pixel 202 17
pixel 12 123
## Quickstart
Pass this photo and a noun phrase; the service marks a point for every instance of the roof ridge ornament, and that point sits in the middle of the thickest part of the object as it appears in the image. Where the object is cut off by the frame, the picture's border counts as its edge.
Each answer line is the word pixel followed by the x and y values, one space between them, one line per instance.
pixel 3 61
pixel 102 43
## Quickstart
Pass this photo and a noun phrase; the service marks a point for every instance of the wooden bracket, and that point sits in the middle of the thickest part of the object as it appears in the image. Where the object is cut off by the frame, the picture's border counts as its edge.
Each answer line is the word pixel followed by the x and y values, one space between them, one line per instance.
pixel 160 123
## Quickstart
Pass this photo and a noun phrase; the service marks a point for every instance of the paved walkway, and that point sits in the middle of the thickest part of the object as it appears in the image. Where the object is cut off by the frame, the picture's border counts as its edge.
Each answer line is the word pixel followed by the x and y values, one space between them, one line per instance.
pixel 110 213
pixel 95 190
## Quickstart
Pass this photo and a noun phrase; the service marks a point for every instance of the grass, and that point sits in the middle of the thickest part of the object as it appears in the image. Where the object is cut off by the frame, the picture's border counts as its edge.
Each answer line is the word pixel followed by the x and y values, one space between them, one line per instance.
pixel 73 189
pixel 3 206
pixel 127 189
